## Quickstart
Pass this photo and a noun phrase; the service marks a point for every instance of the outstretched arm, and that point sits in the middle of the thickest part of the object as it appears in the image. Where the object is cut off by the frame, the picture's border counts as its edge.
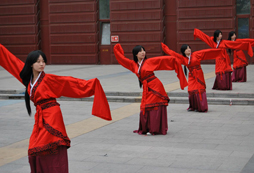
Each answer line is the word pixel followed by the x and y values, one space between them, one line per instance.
pixel 125 62
pixel 248 40
pixel 10 62
pixel 78 88
pixel 173 53
pixel 239 46
pixel 167 63
pixel 205 38
pixel 209 54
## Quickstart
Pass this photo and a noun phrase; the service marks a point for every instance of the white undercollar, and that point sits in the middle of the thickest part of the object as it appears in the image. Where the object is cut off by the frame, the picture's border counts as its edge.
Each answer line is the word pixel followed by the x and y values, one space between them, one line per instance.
pixel 32 85
pixel 140 63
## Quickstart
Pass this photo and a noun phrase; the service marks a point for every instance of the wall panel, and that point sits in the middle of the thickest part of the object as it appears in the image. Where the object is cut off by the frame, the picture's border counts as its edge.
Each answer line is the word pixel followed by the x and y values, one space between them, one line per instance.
pixel 73 31
pixel 138 22
pixel 19 26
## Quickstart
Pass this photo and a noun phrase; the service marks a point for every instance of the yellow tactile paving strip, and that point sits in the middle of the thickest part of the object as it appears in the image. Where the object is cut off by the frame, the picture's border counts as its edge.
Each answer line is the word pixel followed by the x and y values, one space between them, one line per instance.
pixel 18 150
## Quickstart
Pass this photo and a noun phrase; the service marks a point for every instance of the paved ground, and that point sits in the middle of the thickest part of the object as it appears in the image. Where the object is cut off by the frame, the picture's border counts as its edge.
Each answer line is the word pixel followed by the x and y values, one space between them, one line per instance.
pixel 220 141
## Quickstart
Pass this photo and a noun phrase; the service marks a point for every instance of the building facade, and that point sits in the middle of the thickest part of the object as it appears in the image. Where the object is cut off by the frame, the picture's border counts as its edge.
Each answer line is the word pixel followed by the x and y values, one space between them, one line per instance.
pixel 85 31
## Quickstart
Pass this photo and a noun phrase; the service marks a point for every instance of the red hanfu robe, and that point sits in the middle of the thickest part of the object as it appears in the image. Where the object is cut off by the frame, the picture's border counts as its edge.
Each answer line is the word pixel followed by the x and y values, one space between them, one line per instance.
pixel 154 94
pixel 239 57
pixel 196 80
pixel 49 130
pixel 240 62
pixel 223 63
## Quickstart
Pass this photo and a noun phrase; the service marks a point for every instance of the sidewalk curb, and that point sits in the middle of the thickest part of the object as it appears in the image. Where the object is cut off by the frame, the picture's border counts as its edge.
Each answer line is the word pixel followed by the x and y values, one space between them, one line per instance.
pixel 134 99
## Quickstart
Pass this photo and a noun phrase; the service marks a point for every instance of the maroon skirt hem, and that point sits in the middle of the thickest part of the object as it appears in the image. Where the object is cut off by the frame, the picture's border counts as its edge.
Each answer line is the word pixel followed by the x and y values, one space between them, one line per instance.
pixel 196 104
pixel 223 81
pixel 153 121
pixel 52 163
pixel 239 75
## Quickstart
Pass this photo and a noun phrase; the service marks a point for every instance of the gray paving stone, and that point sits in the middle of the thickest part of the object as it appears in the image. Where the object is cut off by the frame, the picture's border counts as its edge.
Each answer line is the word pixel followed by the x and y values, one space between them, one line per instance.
pixel 233 164
pixel 154 169
pixel 116 168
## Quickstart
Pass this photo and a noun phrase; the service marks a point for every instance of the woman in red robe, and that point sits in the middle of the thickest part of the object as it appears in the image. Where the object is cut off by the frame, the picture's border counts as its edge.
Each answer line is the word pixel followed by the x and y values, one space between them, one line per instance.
pixel 223 66
pixel 196 80
pixel 48 143
pixel 240 62
pixel 153 114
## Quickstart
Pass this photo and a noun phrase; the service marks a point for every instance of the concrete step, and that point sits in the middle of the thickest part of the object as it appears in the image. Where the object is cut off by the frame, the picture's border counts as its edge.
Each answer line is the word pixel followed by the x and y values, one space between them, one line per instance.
pixel 137 99
pixel 170 94
pixel 12 91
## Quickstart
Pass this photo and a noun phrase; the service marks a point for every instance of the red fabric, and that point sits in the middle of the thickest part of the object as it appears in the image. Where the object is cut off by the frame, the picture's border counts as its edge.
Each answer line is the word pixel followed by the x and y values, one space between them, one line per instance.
pixel 10 63
pixel 239 75
pixel 154 122
pixel 223 63
pixel 196 80
pixel 239 59
pixel 154 94
pixel 55 163
pixel 49 129
pixel 240 62
pixel 248 40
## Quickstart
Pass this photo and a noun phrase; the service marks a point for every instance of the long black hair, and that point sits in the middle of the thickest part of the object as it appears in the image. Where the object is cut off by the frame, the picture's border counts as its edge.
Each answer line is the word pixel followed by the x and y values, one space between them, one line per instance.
pixel 135 51
pixel 27 72
pixel 183 48
pixel 230 34
pixel 215 35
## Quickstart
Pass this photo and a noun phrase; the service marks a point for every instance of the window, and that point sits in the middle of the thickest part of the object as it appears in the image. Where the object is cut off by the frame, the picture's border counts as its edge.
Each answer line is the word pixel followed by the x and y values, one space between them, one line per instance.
pixel 105 35
pixel 104 14
pixel 243 27
pixel 243 6
pixel 242 18
pixel 104 9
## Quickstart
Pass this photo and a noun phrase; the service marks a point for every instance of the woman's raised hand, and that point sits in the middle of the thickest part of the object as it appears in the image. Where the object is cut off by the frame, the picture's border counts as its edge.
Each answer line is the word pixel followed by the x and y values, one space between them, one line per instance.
pixel 165 48
pixel 119 48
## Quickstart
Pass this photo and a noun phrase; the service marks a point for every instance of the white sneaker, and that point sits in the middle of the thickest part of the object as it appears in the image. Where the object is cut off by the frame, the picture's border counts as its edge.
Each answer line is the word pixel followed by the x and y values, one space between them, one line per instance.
pixel 148 134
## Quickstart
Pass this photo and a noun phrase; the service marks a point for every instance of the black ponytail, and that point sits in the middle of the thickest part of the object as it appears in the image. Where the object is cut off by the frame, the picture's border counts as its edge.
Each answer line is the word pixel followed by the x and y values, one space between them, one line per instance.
pixel 183 48
pixel 230 34
pixel 135 51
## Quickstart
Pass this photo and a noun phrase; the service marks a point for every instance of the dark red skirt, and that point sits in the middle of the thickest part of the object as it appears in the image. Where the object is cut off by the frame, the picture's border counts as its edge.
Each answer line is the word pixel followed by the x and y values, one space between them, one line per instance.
pixel 196 104
pixel 224 83
pixel 239 75
pixel 53 163
pixel 153 121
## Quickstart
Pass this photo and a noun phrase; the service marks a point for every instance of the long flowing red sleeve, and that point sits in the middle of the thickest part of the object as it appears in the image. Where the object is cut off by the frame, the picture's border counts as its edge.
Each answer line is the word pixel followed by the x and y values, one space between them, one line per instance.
pixel 205 38
pixel 10 62
pixel 207 54
pixel 238 46
pixel 79 88
pixel 168 51
pixel 248 40
pixel 167 63
pixel 122 60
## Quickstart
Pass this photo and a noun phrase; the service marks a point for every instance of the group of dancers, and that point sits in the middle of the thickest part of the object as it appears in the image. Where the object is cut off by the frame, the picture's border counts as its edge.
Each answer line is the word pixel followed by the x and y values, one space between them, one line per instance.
pixel 153 114
pixel 49 141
